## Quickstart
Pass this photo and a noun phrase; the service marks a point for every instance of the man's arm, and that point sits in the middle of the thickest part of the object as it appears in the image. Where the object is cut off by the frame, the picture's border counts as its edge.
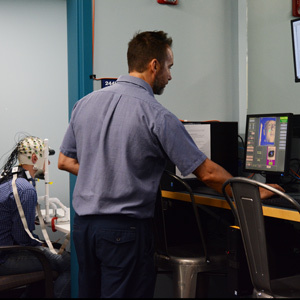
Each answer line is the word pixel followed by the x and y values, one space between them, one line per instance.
pixel 214 176
pixel 68 164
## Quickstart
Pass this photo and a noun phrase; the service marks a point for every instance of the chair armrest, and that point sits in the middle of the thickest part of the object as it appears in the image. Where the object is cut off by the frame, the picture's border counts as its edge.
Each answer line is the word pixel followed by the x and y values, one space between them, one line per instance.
pixel 48 275
pixel 35 251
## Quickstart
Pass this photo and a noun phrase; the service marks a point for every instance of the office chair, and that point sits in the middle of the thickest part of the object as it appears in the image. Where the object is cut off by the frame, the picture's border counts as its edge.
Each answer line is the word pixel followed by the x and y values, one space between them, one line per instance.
pixel 246 207
pixel 186 261
pixel 10 283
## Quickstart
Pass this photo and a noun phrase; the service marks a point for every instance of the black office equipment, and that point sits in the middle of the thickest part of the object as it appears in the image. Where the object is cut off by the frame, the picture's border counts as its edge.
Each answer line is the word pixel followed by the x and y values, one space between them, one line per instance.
pixel 247 209
pixel 223 145
pixel 281 201
pixel 268 145
pixel 238 277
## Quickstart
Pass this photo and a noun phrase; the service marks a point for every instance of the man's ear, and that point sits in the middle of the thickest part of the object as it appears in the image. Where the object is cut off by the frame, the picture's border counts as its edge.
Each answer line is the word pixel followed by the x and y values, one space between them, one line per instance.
pixel 154 65
pixel 34 158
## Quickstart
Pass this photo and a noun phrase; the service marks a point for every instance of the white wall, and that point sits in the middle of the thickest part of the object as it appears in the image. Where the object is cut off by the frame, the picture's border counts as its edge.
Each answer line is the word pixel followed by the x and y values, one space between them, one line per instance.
pixel 272 86
pixel 33 79
pixel 210 49
pixel 33 60
pixel 205 45
pixel 208 74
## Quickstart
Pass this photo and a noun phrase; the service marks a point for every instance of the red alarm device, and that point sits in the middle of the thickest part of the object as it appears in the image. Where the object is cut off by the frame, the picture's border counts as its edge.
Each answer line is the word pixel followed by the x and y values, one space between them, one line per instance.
pixel 173 2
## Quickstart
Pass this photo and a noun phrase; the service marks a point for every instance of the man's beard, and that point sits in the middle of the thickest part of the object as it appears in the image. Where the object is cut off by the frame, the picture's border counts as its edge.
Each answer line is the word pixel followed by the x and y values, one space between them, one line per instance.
pixel 158 87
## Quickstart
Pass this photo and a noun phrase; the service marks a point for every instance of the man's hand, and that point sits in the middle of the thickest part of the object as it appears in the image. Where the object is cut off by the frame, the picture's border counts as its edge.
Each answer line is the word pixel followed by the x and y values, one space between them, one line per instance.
pixel 264 194
pixel 68 164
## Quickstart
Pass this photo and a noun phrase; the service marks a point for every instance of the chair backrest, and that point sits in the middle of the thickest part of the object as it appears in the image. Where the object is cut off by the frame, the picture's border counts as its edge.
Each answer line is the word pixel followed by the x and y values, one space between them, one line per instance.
pixel 160 224
pixel 247 208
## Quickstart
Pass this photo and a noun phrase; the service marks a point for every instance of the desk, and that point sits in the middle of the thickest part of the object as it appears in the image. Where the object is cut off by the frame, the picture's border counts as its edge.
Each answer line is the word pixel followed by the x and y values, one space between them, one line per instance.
pixel 60 226
pixel 219 201
pixel 65 227
pixel 61 231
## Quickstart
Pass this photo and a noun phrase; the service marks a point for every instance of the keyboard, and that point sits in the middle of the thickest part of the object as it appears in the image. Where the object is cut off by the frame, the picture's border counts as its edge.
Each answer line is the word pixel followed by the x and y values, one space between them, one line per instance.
pixel 281 202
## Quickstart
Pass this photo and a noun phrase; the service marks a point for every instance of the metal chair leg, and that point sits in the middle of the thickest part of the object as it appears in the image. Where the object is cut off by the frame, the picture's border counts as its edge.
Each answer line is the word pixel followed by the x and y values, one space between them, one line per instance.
pixel 185 279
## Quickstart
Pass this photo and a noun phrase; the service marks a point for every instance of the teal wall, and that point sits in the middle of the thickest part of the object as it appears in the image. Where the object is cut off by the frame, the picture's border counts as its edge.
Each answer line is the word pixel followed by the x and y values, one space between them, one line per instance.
pixel 80 65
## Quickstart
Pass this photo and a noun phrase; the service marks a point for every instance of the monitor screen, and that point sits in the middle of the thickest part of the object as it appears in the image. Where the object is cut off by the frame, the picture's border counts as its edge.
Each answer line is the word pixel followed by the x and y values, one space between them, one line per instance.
pixel 295 26
pixel 268 141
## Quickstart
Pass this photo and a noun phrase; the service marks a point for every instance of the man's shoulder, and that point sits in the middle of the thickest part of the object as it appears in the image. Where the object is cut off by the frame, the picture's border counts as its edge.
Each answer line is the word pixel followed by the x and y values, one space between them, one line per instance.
pixel 24 184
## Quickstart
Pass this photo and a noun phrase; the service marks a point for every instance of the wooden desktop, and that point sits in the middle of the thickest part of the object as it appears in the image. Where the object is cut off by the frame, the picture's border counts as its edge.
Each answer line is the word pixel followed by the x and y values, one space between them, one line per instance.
pixel 219 201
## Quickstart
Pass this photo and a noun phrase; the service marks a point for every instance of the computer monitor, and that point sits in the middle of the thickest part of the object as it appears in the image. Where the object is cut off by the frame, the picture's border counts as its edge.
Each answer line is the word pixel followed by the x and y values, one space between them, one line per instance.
pixel 267 145
pixel 295 27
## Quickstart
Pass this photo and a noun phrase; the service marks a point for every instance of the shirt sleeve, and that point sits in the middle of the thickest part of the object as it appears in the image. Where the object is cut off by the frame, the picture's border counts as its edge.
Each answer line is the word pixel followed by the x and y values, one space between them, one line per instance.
pixel 179 145
pixel 68 146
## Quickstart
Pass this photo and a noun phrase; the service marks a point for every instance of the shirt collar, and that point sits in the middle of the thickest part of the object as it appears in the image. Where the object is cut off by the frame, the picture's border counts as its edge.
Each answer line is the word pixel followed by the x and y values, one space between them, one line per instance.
pixel 137 81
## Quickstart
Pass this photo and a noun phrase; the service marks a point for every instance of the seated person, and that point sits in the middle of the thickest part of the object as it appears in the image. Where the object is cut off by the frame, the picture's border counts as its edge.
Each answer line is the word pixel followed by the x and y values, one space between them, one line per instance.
pixel 30 153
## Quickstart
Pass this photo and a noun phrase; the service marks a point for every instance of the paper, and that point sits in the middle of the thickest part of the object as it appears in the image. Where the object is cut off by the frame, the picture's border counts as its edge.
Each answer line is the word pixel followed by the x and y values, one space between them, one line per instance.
pixel 201 136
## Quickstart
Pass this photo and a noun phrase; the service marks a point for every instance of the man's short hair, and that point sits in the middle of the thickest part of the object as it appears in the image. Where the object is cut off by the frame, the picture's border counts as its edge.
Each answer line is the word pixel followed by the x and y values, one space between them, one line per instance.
pixel 146 46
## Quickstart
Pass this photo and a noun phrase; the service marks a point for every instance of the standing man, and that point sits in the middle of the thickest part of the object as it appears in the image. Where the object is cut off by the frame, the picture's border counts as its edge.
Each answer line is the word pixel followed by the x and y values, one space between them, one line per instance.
pixel 117 143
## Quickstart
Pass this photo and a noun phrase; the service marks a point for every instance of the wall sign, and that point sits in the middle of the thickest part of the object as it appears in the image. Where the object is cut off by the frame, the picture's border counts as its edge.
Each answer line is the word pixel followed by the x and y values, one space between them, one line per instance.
pixel 107 82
